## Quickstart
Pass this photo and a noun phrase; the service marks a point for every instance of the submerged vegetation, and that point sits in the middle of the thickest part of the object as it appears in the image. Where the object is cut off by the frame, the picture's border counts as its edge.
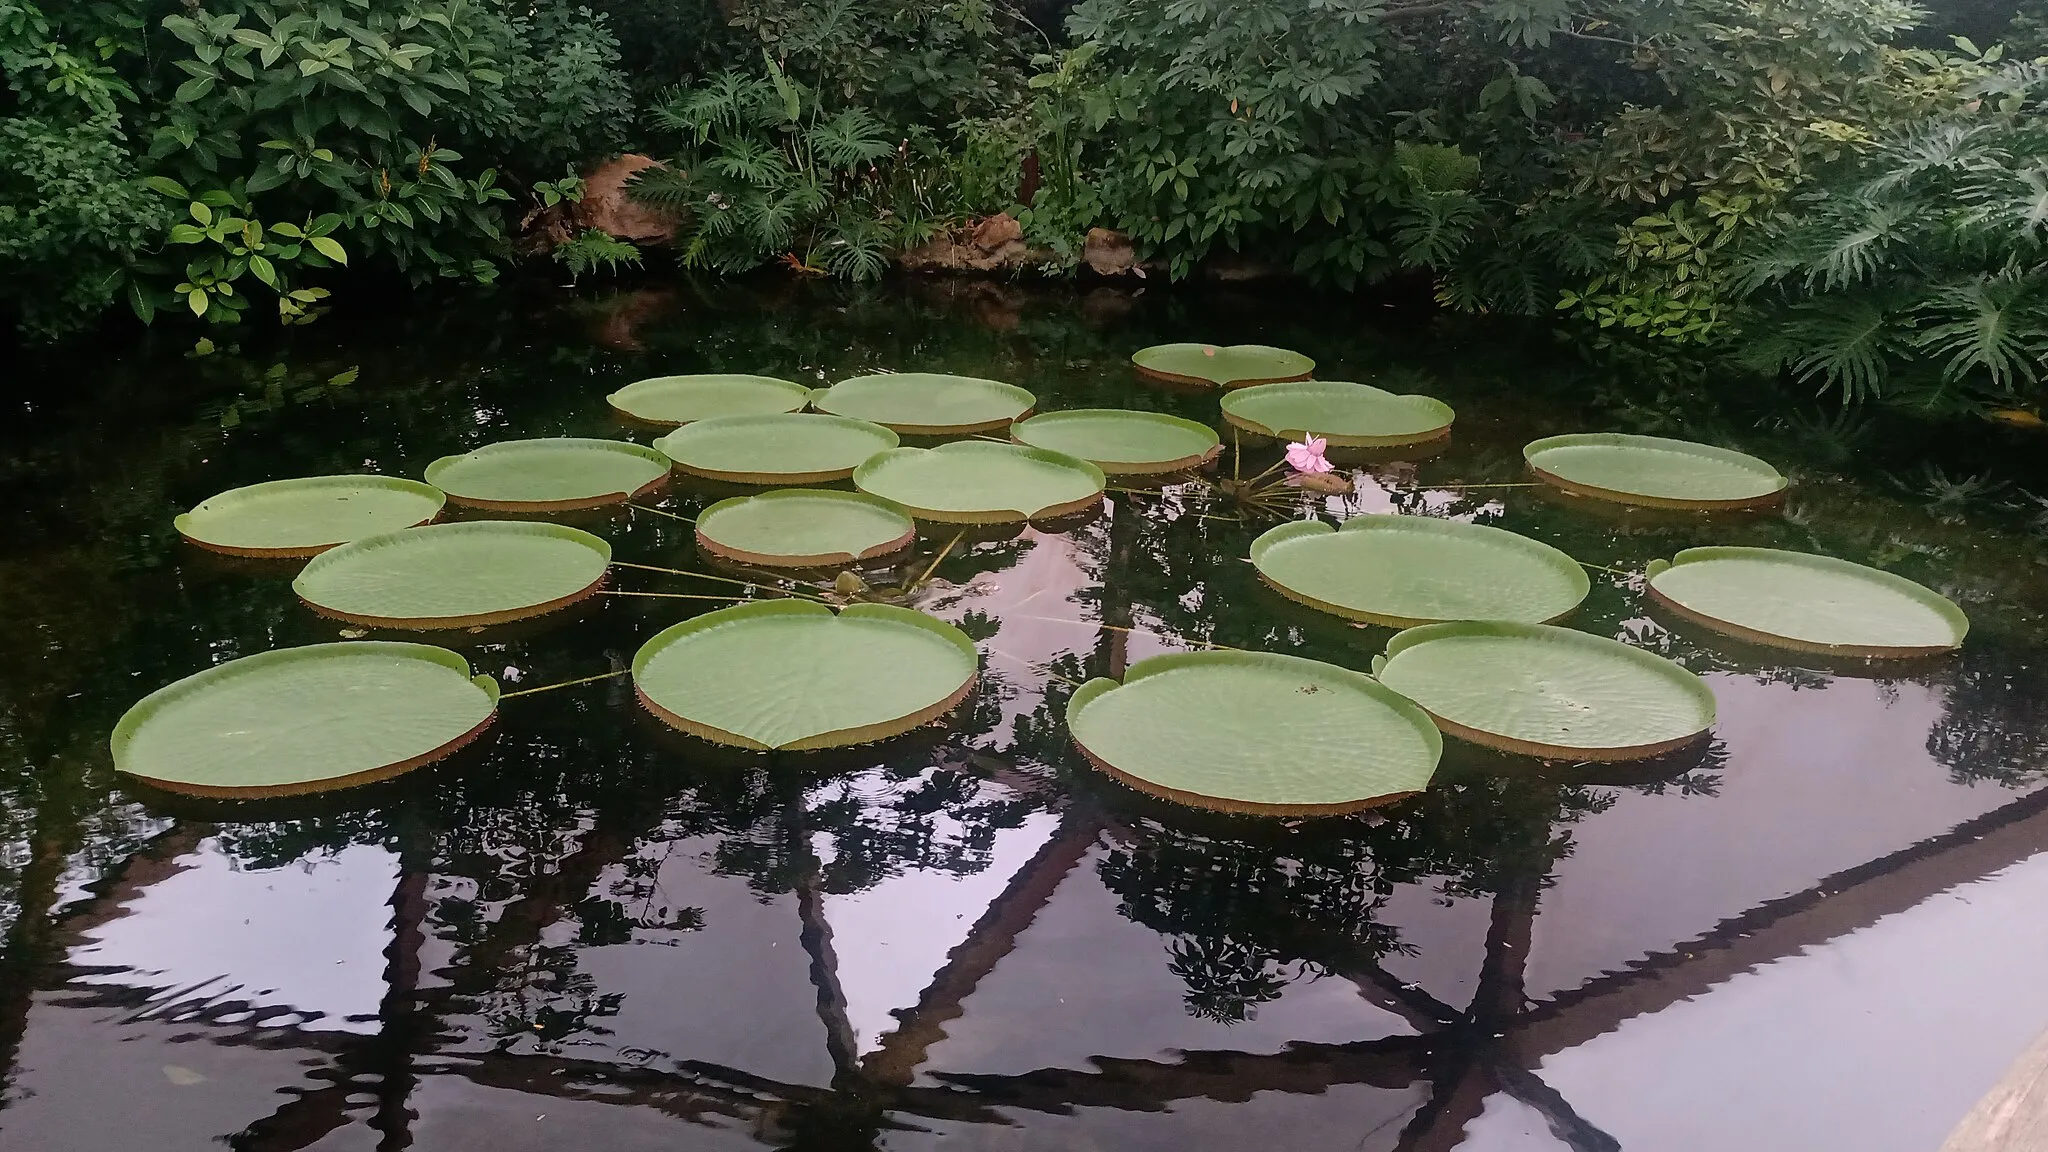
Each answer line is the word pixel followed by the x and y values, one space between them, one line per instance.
pixel 1843 191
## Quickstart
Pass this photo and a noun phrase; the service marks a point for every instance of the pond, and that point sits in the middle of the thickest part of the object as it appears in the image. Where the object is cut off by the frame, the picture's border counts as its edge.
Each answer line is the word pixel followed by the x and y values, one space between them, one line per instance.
pixel 1820 930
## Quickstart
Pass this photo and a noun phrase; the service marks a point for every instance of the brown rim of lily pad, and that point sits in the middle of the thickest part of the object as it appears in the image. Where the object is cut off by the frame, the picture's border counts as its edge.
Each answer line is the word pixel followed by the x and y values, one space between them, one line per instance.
pixel 1611 496
pixel 883 439
pixel 440 556
pixel 1021 401
pixel 542 506
pixel 818 560
pixel 1203 802
pixel 451 623
pixel 185 523
pixel 439 468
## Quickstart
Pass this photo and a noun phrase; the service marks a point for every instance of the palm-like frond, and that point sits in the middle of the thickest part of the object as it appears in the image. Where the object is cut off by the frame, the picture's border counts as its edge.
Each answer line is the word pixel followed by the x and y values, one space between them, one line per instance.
pixel 1845 342
pixel 851 138
pixel 1994 324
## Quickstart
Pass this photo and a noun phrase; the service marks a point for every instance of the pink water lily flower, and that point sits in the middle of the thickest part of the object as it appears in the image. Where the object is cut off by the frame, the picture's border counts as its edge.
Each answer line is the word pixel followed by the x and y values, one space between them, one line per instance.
pixel 1307 455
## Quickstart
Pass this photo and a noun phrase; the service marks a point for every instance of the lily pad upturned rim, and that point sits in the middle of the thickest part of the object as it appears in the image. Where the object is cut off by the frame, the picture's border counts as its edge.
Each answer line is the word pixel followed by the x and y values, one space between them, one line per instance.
pixel 1430 405
pixel 150 706
pixel 1407 710
pixel 623 400
pixel 1299 529
pixel 188 524
pixel 709 542
pixel 1024 429
pixel 1294 365
pixel 848 402
pixel 1913 590
pixel 865 474
pixel 597 544
pixel 885 439
pixel 1650 662
pixel 1763 499
pixel 437 473
pixel 839 738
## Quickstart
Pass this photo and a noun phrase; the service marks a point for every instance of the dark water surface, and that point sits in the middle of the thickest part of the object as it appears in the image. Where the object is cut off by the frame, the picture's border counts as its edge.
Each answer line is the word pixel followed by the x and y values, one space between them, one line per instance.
pixel 1825 931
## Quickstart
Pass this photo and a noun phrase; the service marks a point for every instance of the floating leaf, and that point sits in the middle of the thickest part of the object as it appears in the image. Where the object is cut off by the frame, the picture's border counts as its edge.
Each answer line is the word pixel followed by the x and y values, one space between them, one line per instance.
pixel 305 720
pixel 1654 471
pixel 927 403
pixel 684 399
pixel 306 516
pixel 1540 690
pixel 1255 732
pixel 1122 443
pixel 1809 603
pixel 1228 366
pixel 455 575
pixel 1348 415
pixel 1401 571
pixel 558 474
pixel 787 448
pixel 804 528
pixel 978 482
pixel 789 675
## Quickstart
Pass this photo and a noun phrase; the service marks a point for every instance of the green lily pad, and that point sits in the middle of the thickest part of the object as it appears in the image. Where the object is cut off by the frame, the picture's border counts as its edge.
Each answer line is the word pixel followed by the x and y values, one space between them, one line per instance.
pixel 685 399
pixel 1808 603
pixel 1348 415
pixel 557 474
pixel 1122 443
pixel 1255 732
pixel 1654 471
pixel 1225 366
pixel 789 675
pixel 786 448
pixel 1540 690
pixel 300 720
pixel 287 519
pixel 927 403
pixel 464 575
pixel 1401 571
pixel 980 482
pixel 804 528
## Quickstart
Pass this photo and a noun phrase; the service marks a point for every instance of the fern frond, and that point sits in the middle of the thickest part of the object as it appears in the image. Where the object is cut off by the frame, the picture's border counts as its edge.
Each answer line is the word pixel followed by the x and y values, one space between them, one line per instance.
pixel 852 138
pixel 1995 324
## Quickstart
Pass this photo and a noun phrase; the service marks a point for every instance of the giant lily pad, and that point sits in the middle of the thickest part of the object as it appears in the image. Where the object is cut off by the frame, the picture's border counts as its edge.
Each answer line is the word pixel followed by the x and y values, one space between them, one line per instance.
pixel 804 528
pixel 1540 690
pixel 1348 415
pixel 1122 443
pixel 1808 603
pixel 558 474
pixel 684 399
pixel 1654 471
pixel 1224 366
pixel 979 482
pixel 286 519
pixel 1406 570
pixel 1255 732
pixel 304 720
pixel 456 575
pixel 789 675
pixel 927 403
pixel 788 448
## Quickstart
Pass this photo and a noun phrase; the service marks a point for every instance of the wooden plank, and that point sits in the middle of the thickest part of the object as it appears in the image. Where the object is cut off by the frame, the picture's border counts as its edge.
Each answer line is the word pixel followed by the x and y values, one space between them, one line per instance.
pixel 2013 1116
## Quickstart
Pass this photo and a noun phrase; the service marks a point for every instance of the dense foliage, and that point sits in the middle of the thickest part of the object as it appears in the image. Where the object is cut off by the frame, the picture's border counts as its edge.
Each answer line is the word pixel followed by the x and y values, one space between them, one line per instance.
pixel 1834 188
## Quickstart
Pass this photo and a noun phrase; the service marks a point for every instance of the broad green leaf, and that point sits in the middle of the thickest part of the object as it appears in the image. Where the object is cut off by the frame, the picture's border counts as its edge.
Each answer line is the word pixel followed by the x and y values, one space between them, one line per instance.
pixel 306 516
pixel 1808 603
pixel 926 403
pixel 804 528
pixel 263 270
pixel 302 720
pixel 1344 413
pixel 978 482
pixel 1225 367
pixel 1654 471
pixel 1121 443
pixel 1540 690
pixel 556 473
pixel 683 399
pixel 459 575
pixel 1255 732
pixel 782 448
pixel 196 300
pixel 1404 570
pixel 791 675
pixel 329 247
